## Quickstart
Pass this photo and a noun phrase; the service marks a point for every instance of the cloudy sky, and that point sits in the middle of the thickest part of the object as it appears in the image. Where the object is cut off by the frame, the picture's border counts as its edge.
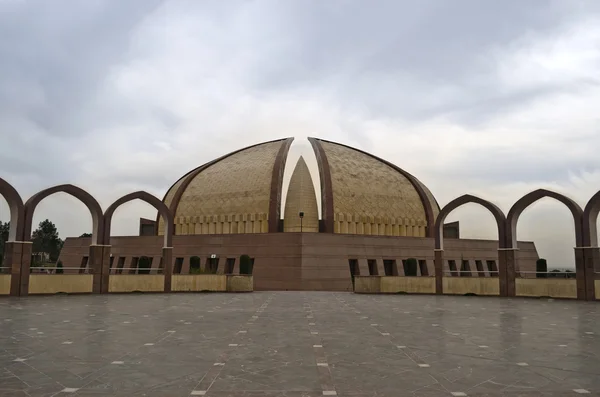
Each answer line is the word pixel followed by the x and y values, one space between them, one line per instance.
pixel 484 97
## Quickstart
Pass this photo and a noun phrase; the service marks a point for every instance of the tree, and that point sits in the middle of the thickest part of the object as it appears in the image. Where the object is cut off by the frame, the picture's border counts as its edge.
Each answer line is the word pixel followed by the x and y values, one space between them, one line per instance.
pixel 45 239
pixel 4 228
pixel 59 268
pixel 86 235
pixel 541 267
pixel 410 267
pixel 195 265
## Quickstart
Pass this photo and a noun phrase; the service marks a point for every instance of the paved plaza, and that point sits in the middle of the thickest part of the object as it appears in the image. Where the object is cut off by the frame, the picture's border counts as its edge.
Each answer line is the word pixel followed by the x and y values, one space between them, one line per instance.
pixel 297 344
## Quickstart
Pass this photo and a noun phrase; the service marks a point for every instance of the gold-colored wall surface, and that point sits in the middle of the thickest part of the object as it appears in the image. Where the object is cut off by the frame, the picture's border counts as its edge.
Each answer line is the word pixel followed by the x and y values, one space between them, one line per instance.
pixel 370 197
pixel 553 287
pixel 230 196
pixel 55 283
pixel 412 285
pixel 136 282
pixel 367 284
pixel 597 287
pixel 5 284
pixel 471 285
pixel 301 196
pixel 240 284
pixel 199 282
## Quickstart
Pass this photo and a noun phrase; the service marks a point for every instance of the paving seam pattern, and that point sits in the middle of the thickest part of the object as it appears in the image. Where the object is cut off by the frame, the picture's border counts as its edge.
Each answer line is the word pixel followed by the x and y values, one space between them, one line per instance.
pixel 203 387
pixel 325 376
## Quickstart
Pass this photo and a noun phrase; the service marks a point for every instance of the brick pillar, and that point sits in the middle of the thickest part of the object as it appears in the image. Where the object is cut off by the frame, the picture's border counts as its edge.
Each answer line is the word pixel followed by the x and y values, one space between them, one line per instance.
pixel 439 271
pixel 105 269
pixel 18 258
pixel 167 258
pixel 580 274
pixel 591 264
pixel 502 265
pixel 508 272
pixel 99 264
pixel 95 265
pixel 13 251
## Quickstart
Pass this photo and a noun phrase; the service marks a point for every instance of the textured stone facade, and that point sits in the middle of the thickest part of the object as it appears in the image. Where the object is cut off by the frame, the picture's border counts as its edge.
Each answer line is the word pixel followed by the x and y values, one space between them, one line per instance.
pixel 301 196
pixel 370 197
pixel 229 196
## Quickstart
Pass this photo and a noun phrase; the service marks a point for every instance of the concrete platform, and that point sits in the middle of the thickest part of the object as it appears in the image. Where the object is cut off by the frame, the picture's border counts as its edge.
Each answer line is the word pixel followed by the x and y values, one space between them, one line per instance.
pixel 297 344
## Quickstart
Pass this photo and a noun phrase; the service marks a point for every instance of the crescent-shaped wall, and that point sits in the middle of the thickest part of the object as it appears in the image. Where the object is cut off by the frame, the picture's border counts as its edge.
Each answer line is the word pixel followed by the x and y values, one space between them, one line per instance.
pixel 237 193
pixel 362 194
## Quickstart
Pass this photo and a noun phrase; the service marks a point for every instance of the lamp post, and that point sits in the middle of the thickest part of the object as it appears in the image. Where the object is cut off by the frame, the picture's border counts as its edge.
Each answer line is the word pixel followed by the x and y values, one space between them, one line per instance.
pixel 301 215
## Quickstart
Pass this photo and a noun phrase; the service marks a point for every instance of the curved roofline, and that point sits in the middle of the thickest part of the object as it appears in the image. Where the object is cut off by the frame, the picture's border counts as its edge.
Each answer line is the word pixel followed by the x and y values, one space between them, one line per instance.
pixel 189 176
pixel 277 185
pixel 326 185
pixel 327 188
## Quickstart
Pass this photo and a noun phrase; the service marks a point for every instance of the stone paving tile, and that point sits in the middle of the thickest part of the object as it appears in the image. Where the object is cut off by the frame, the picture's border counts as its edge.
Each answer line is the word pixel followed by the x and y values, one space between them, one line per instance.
pixel 296 344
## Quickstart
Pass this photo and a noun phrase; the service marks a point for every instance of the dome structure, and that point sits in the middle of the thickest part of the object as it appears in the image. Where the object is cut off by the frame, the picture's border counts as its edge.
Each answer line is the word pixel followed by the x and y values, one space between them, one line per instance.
pixel 363 194
pixel 237 193
pixel 242 193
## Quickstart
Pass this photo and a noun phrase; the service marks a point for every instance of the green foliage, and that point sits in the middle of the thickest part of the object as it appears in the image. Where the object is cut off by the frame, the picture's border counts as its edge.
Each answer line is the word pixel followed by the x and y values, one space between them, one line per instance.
pixel 144 265
pixel 4 228
pixel 195 265
pixel 86 235
pixel 45 239
pixel 541 267
pixel 197 270
pixel 245 264
pixel 410 268
pixel 59 269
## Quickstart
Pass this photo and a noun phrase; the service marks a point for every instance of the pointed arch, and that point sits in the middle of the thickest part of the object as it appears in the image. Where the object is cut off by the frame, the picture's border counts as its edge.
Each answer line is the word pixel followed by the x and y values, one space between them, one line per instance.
pixel 517 209
pixel 72 190
pixel 17 210
pixel 590 219
pixel 466 199
pixel 162 209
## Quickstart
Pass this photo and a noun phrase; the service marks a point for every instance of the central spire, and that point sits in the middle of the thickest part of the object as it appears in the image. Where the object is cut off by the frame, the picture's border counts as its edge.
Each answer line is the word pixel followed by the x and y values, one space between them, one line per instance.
pixel 301 197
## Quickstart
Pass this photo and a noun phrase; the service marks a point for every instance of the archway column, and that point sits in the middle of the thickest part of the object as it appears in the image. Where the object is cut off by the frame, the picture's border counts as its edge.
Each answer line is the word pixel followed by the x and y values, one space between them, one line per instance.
pixel 507 261
pixel 18 258
pixel 99 264
pixel 439 271
pixel 591 257
pixel 167 260
pixel 589 260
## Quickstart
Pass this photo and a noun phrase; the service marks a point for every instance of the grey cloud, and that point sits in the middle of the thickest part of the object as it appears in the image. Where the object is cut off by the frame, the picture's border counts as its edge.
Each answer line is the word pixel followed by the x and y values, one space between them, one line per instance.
pixel 57 54
pixel 118 96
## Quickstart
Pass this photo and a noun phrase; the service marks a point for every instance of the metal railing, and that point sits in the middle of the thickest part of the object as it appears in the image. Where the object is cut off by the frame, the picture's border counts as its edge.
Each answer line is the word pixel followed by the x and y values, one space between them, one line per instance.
pixel 457 273
pixel 550 274
pixel 127 270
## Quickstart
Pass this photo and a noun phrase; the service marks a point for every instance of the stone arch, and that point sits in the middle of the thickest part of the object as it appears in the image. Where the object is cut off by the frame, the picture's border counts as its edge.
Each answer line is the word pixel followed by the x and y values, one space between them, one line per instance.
pixel 80 194
pixel 17 210
pixel 161 207
pixel 466 199
pixel 530 198
pixel 590 218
